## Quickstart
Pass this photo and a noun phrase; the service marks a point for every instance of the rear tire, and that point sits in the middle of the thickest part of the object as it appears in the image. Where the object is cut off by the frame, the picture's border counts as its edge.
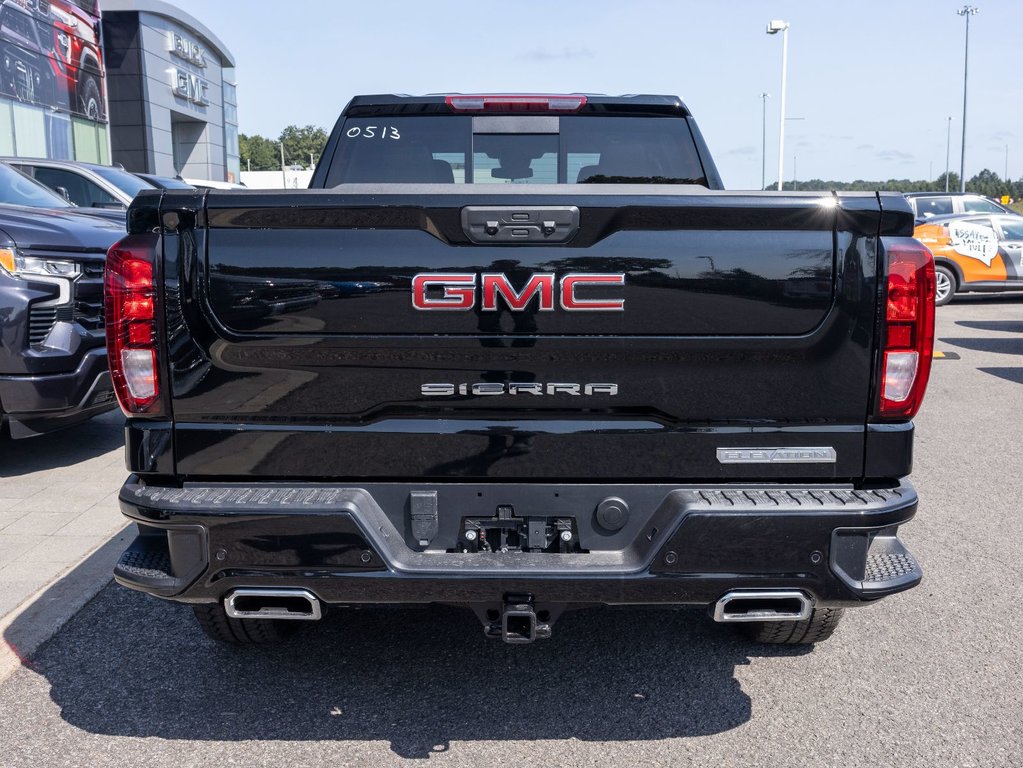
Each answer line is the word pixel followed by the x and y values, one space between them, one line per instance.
pixel 215 622
pixel 90 99
pixel 819 627
pixel 945 285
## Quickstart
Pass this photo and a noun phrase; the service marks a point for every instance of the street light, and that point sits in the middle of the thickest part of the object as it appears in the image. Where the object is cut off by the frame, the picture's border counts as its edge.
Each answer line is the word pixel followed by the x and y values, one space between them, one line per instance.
pixel 948 147
pixel 763 143
pixel 967 11
pixel 284 172
pixel 773 28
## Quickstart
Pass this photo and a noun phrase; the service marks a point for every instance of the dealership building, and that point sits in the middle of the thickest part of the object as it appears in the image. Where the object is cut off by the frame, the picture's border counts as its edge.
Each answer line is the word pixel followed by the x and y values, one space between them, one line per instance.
pixel 138 83
pixel 171 91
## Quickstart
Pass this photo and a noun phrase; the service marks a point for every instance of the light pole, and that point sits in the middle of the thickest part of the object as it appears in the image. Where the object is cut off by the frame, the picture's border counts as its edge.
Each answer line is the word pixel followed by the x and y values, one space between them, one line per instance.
pixel 948 147
pixel 773 28
pixel 763 142
pixel 284 173
pixel 967 11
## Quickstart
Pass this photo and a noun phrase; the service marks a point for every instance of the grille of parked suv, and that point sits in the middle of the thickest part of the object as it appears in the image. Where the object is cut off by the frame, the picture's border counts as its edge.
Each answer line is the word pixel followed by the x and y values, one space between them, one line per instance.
pixel 40 322
pixel 86 307
pixel 88 296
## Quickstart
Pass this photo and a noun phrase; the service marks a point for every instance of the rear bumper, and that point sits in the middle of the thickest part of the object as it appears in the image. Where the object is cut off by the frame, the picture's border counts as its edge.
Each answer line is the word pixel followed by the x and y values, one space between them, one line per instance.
pixel 680 545
pixel 38 404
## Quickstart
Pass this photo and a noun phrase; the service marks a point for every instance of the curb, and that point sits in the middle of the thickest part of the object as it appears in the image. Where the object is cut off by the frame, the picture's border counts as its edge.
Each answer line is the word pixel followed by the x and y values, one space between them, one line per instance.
pixel 42 615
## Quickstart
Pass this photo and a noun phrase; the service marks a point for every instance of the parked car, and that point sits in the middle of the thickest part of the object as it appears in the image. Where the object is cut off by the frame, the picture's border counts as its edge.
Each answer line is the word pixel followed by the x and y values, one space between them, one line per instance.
pixel 165 182
pixel 211 184
pixel 87 185
pixel 927 205
pixel 974 253
pixel 53 362
pixel 17 188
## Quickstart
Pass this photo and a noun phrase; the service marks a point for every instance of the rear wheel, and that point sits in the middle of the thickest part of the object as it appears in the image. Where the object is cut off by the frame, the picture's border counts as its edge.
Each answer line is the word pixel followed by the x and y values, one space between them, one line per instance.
pixel 944 285
pixel 819 627
pixel 217 624
pixel 90 98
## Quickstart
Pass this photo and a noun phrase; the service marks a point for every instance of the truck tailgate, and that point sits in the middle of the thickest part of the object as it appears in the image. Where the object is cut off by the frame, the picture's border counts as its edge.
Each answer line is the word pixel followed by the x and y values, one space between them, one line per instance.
pixel 740 343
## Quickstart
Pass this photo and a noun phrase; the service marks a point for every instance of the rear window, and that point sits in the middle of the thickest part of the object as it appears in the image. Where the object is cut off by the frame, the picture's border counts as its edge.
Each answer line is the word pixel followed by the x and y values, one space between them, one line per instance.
pixel 124 181
pixel 1012 230
pixel 980 205
pixel 933 206
pixel 462 149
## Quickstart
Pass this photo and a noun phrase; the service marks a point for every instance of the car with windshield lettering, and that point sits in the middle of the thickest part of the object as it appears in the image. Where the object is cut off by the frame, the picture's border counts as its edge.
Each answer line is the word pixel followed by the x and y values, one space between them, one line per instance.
pixel 974 253
pixel 927 205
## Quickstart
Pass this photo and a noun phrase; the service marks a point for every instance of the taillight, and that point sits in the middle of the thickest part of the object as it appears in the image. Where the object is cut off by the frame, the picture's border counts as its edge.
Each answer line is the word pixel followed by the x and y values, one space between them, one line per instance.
pixel 516 103
pixel 131 311
pixel 909 329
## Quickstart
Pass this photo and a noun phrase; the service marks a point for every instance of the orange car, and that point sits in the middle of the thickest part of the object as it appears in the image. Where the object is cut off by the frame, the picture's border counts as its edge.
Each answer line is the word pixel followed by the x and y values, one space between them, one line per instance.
pixel 974 253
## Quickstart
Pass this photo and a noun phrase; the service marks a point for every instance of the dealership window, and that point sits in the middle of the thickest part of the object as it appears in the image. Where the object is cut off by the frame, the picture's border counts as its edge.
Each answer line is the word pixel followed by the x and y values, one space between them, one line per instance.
pixel 29 131
pixel 59 137
pixel 91 144
pixel 6 128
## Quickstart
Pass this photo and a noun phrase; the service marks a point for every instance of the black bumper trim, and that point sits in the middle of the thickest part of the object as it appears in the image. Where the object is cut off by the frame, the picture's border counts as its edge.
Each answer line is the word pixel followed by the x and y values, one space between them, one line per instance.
pixel 339 543
pixel 40 404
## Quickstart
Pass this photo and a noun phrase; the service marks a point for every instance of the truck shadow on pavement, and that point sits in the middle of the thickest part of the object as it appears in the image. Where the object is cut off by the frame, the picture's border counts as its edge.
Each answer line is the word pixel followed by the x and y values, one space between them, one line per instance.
pixel 419 679
pixel 1006 345
pixel 64 448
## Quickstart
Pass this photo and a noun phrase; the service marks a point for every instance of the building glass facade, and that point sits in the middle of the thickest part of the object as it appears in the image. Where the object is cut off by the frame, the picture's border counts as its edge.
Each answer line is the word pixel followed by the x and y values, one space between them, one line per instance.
pixel 52 81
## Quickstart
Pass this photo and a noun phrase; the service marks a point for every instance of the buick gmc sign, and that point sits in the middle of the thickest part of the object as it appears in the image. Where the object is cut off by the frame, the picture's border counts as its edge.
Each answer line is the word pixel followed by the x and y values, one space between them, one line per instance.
pixel 185 84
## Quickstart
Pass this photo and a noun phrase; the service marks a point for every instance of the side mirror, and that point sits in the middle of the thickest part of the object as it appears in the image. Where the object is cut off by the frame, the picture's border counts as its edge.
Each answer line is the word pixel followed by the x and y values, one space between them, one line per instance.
pixel 62 191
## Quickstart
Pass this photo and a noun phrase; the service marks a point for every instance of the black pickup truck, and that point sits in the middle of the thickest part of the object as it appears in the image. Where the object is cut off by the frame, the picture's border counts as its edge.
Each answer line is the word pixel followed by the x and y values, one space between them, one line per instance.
pixel 521 354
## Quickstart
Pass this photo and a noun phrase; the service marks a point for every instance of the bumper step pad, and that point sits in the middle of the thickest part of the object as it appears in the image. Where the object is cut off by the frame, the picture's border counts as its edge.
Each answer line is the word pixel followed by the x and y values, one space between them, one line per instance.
pixel 681 545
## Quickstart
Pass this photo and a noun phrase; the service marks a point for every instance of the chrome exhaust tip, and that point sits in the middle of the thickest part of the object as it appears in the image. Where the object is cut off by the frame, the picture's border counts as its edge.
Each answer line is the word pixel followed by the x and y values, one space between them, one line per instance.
pixel 252 603
pixel 755 605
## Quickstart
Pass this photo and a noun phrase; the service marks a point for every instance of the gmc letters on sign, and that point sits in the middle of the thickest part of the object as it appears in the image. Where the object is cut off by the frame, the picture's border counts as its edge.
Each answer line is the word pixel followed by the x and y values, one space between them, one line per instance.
pixel 191 87
pixel 458 292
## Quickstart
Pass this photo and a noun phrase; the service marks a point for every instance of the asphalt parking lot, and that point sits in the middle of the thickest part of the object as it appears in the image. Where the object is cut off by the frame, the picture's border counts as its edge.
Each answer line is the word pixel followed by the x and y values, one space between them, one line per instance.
pixel 928 678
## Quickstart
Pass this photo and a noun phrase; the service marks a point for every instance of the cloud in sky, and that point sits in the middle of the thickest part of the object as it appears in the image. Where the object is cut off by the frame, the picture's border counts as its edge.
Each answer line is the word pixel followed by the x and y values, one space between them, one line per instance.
pixel 565 54
pixel 895 156
pixel 745 151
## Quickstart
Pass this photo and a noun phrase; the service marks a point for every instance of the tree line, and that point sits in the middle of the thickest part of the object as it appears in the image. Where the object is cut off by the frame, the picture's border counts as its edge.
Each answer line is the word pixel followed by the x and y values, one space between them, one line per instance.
pixel 302 147
pixel 987 183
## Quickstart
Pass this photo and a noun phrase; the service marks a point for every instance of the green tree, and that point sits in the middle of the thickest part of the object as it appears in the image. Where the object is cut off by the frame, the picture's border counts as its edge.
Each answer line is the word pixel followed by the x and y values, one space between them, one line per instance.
pixel 259 153
pixel 303 146
pixel 987 182
pixel 953 182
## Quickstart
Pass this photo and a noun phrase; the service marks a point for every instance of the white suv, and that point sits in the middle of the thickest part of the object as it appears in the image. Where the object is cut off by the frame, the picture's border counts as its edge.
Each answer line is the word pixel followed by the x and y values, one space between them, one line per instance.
pixel 929 204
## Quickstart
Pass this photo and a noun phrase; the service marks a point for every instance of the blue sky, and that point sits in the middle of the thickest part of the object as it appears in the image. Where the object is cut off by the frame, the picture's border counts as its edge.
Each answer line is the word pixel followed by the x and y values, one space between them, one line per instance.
pixel 873 81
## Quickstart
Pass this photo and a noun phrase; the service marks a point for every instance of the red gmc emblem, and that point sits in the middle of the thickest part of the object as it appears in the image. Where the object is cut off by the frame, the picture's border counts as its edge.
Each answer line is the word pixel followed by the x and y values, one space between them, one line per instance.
pixel 458 292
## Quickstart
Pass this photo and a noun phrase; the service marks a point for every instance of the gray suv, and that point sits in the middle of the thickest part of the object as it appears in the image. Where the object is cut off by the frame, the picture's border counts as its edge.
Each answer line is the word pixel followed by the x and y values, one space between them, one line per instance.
pixel 85 184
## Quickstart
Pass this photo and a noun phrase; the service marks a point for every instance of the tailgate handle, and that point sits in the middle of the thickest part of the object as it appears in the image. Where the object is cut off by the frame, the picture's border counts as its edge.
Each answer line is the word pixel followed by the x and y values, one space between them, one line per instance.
pixel 541 225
